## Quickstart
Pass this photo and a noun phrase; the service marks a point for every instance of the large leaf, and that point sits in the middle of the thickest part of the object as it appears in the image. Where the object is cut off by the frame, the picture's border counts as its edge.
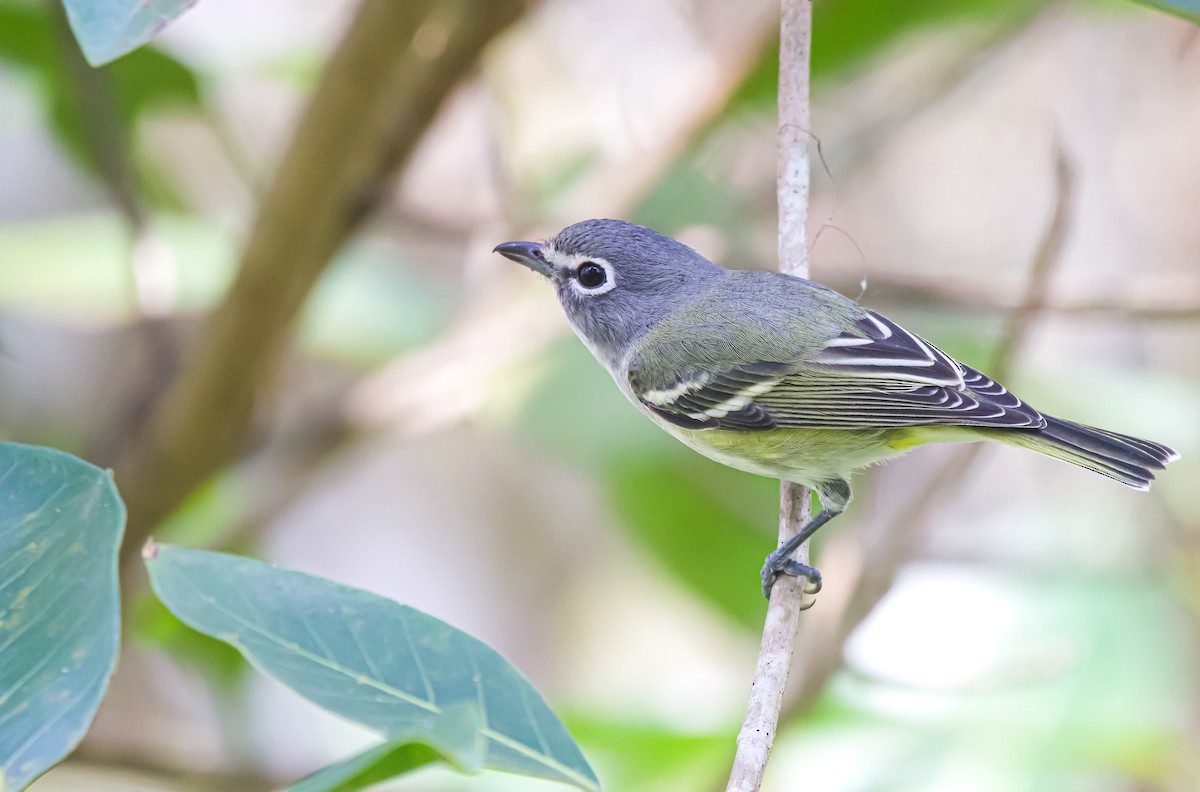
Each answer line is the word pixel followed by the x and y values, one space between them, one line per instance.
pixel 60 527
pixel 1188 9
pixel 393 669
pixel 107 29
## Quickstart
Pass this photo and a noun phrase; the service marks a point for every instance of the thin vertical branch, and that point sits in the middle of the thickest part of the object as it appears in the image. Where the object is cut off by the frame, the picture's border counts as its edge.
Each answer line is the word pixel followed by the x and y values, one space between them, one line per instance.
pixel 783 611
pixel 795 36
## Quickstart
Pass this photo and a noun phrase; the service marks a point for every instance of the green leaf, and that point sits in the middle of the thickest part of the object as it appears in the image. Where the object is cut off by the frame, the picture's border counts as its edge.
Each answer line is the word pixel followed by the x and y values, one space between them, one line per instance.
pixel 369 767
pixel 60 526
pixel 107 29
pixel 1188 9
pixel 386 666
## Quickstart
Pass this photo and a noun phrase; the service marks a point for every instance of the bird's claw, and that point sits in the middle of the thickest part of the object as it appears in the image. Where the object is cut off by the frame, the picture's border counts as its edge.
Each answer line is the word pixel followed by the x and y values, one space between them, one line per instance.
pixel 777 565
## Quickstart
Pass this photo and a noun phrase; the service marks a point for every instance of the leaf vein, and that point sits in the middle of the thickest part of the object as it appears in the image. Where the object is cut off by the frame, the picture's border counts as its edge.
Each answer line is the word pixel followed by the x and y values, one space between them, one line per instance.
pixel 477 678
pixel 324 647
pixel 537 729
pixel 50 722
pixel 412 648
pixel 47 657
pixel 530 753
pixel 362 650
pixel 315 658
pixel 32 620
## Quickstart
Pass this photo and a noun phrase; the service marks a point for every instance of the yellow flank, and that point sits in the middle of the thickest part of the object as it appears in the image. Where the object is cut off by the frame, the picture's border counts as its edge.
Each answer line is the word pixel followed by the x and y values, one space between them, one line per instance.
pixel 810 456
pixel 909 437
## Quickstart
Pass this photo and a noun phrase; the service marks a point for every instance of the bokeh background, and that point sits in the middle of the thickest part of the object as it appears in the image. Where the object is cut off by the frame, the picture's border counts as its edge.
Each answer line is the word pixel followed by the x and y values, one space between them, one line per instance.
pixel 1017 180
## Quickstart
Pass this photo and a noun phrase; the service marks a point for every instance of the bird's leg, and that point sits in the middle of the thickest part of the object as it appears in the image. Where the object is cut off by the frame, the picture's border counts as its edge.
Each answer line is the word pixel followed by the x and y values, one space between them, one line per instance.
pixel 780 562
pixel 835 496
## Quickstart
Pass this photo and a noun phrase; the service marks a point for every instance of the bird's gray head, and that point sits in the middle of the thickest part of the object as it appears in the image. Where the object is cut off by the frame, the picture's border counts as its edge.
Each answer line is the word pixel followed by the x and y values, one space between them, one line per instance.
pixel 615 280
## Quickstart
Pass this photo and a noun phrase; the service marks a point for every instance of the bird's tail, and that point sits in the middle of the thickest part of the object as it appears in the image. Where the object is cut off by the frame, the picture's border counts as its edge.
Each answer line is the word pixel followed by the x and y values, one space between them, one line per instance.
pixel 1130 460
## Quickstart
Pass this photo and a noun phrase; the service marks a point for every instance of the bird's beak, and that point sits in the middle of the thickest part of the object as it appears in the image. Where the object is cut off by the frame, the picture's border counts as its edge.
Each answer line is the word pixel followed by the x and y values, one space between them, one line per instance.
pixel 528 254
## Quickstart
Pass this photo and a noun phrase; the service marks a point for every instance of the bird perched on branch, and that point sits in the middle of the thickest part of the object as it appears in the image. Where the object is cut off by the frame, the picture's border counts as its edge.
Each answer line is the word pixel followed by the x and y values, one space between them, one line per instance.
pixel 780 376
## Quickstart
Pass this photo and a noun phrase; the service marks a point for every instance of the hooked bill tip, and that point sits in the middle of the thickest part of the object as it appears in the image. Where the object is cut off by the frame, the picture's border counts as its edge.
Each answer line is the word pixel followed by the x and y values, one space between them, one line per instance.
pixel 527 254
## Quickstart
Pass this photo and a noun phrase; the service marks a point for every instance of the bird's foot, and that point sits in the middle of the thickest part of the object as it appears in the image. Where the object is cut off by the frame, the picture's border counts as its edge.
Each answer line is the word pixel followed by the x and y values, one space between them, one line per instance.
pixel 780 564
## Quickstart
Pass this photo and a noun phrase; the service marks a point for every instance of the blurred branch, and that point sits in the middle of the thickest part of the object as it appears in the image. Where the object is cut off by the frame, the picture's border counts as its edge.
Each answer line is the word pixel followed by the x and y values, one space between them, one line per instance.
pixel 782 621
pixel 881 552
pixel 241 164
pixel 374 100
pixel 967 297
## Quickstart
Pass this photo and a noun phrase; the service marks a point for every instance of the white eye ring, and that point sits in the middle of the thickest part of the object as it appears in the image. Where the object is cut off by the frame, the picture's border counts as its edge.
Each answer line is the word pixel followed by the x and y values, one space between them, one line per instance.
pixel 610 277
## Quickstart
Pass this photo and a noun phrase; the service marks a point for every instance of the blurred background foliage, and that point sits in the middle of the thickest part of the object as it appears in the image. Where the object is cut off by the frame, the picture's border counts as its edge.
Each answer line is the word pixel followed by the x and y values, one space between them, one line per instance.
pixel 420 423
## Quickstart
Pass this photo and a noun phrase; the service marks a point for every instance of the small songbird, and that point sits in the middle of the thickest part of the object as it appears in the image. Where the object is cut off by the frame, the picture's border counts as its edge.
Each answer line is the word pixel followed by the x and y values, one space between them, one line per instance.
pixel 782 377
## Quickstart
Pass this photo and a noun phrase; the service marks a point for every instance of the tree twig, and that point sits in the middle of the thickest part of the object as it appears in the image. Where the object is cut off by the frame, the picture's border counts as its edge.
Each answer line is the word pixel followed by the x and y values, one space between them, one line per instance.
pixel 963 296
pixel 783 610
pixel 375 99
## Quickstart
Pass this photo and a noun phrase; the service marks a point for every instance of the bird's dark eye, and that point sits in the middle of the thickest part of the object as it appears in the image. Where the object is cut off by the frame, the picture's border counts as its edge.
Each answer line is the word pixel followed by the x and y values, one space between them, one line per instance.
pixel 590 275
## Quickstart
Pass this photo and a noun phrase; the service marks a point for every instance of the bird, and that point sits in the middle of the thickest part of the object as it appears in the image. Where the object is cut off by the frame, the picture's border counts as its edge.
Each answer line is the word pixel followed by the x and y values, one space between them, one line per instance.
pixel 780 376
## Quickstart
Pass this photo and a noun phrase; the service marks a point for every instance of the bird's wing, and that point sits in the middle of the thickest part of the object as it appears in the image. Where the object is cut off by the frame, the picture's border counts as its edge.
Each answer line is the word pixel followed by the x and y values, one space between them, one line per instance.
pixel 875 375
pixel 879 348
